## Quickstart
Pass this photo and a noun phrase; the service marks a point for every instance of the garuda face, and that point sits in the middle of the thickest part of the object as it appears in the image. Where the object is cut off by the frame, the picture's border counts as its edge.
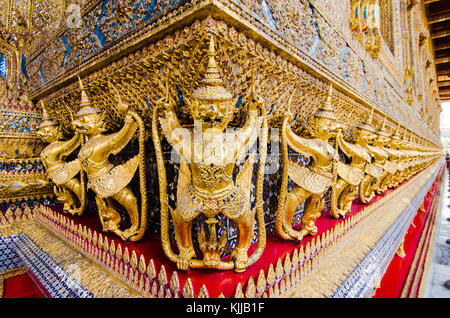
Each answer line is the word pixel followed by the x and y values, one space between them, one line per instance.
pixel 323 128
pixel 50 133
pixel 90 124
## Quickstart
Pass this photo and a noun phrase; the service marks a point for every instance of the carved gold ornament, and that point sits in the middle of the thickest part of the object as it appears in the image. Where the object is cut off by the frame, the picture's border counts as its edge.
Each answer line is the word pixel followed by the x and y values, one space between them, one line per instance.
pixel 206 186
pixel 313 181
pixel 109 182
pixel 61 173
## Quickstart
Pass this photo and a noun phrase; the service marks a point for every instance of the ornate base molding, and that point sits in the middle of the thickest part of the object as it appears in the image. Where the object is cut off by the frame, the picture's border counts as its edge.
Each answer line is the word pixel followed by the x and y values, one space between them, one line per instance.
pixel 62 271
pixel 391 221
pixel 9 274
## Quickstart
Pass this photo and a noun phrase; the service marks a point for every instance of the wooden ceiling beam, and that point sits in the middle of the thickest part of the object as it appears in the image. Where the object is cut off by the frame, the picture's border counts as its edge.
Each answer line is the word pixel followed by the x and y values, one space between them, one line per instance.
pixel 445 83
pixel 443 72
pixel 439 17
pixel 430 1
pixel 443 78
pixel 442 60
pixel 442 46
pixel 440 34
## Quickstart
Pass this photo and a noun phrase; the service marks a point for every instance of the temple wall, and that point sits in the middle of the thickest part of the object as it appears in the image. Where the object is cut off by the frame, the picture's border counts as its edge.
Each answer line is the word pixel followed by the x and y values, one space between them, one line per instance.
pixel 323 46
pixel 296 56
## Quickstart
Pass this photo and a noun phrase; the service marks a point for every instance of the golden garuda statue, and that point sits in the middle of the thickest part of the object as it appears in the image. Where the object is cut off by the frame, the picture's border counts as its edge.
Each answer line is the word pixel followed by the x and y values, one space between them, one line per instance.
pixel 408 157
pixel 414 156
pixel 374 169
pixel 394 152
pixel 381 158
pixel 351 175
pixel 311 182
pixel 109 182
pixel 62 174
pixel 207 186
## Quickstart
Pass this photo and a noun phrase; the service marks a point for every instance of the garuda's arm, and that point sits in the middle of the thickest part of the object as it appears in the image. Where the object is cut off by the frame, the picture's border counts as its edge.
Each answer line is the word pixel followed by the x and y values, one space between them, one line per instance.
pixel 70 145
pixel 298 143
pixel 120 139
pixel 353 150
pixel 176 135
pixel 345 146
pixel 392 155
pixel 247 135
pixel 57 150
pixel 378 152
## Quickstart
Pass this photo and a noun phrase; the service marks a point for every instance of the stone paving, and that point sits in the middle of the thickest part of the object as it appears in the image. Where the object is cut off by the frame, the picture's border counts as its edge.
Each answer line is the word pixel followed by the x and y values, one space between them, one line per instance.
pixel 440 267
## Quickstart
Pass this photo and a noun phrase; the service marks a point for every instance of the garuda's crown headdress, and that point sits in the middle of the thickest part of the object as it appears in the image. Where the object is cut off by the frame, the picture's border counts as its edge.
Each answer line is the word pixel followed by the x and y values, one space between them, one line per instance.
pixel 46 120
pixel 212 92
pixel 85 104
pixel 327 109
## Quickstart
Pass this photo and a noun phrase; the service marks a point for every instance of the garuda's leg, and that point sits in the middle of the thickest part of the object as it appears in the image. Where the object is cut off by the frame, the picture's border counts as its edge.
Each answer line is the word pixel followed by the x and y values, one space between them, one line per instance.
pixel 313 209
pixel 64 196
pixel 395 180
pixel 365 189
pixel 340 185
pixel 59 193
pixel 346 199
pixel 244 225
pixel 293 200
pixel 386 182
pixel 69 199
pixel 108 216
pixel 183 236
pixel 75 186
pixel 378 185
pixel 127 199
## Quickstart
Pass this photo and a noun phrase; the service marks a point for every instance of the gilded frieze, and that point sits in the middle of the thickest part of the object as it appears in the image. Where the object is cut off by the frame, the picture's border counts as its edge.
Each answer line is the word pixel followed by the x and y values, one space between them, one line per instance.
pixel 22 186
pixel 178 58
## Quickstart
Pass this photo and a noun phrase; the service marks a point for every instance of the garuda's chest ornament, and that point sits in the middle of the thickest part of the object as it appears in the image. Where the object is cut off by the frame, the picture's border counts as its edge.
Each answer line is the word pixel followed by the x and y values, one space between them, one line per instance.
pixel 207 185
pixel 69 188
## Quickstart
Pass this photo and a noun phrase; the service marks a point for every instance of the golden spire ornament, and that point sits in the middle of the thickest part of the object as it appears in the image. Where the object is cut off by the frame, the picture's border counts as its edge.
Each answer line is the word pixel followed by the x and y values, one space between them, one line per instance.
pixel 211 100
pixel 85 103
pixel 382 130
pixel 368 123
pixel 46 119
pixel 212 88
pixel 326 110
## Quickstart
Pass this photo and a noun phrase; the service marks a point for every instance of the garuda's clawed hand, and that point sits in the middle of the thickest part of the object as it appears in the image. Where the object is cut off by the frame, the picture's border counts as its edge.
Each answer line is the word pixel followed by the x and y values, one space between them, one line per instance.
pixel 122 107
pixel 166 102
pixel 255 100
